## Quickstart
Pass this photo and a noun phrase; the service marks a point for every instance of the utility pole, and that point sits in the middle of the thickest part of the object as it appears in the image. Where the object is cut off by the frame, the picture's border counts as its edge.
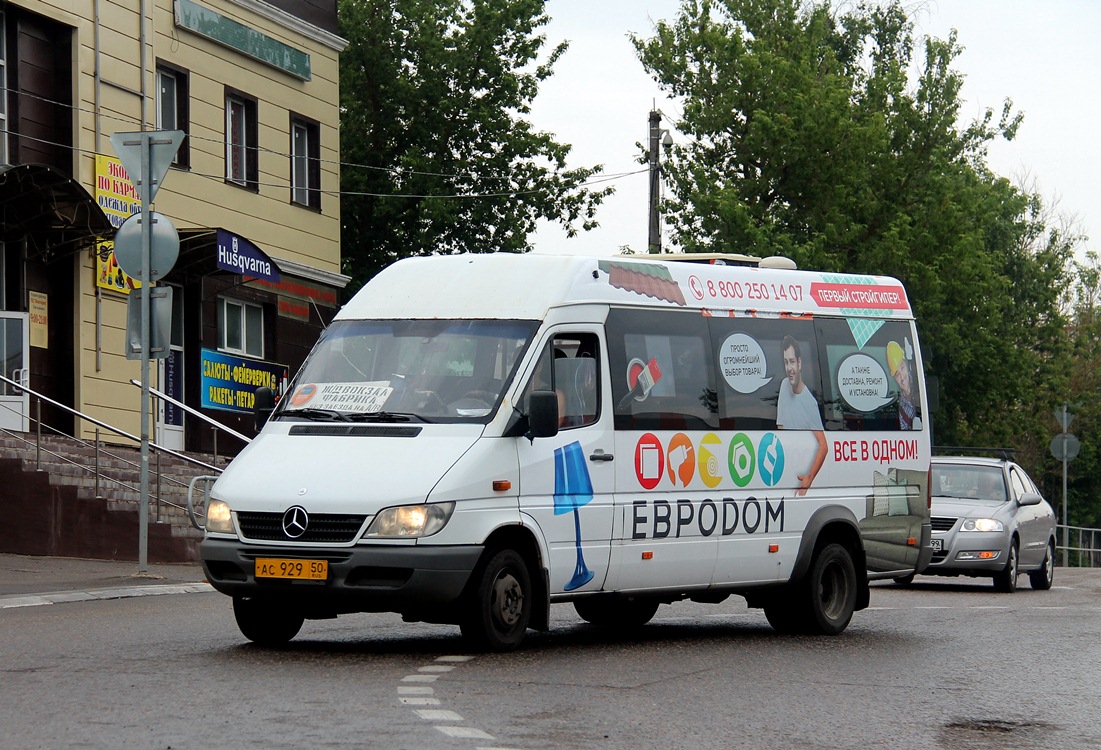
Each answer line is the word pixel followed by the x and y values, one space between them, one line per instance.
pixel 656 142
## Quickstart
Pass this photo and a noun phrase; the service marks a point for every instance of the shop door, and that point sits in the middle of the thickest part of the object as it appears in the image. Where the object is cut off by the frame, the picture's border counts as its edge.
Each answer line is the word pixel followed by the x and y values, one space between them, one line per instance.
pixel 14 343
pixel 170 376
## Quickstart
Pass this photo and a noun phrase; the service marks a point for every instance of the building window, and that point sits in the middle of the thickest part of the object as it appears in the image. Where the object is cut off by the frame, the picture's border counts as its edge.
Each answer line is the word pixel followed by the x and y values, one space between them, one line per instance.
pixel 241 132
pixel 305 162
pixel 172 107
pixel 240 328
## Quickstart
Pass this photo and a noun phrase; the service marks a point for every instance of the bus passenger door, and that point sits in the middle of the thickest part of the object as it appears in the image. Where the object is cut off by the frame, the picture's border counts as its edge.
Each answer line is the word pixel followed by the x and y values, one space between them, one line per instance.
pixel 566 481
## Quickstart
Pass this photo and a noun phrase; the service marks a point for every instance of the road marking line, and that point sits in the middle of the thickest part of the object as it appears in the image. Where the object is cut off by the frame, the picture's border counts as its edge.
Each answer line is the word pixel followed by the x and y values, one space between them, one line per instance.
pixel 466 733
pixel 420 678
pixel 454 658
pixel 418 701
pixel 437 714
pixel 438 668
pixel 415 691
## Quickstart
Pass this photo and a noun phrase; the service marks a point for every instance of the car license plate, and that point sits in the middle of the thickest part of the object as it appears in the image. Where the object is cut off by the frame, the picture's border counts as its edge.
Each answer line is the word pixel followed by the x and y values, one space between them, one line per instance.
pixel 303 570
pixel 938 545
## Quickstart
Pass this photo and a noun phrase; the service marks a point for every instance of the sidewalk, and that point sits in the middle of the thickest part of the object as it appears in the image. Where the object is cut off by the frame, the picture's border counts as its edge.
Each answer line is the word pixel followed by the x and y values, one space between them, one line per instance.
pixel 29 581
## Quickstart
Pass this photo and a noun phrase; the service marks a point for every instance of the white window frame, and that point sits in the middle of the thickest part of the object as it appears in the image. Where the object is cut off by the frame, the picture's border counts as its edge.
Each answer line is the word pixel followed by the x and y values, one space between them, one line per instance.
pixel 300 163
pixel 251 344
pixel 237 139
pixel 167 120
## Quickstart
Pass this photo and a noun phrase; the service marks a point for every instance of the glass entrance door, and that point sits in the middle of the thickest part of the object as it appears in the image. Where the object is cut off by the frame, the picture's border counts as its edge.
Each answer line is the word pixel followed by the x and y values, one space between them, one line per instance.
pixel 14 350
pixel 170 417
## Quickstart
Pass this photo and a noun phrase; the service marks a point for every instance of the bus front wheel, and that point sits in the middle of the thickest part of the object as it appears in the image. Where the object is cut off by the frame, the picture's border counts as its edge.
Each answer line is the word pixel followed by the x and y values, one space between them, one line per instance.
pixel 499 605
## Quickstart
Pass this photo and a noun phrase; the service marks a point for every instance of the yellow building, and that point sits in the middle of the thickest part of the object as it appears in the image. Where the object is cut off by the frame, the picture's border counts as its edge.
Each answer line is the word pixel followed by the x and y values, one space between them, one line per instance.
pixel 253 193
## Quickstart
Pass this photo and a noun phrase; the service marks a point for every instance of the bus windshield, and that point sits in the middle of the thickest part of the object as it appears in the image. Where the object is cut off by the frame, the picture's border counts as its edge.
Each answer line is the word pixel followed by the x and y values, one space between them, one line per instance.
pixel 401 370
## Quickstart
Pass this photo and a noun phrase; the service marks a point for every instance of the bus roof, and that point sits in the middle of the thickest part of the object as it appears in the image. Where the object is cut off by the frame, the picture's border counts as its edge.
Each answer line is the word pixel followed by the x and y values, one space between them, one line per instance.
pixel 528 286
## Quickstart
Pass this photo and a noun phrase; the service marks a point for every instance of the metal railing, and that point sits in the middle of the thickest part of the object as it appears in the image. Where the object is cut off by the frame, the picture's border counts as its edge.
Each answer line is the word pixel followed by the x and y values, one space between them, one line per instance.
pixel 100 451
pixel 1083 547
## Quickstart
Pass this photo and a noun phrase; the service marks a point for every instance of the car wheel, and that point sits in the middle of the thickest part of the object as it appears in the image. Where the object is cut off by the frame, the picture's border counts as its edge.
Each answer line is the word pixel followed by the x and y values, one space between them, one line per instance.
pixel 1041 579
pixel 1005 581
pixel 832 589
pixel 616 613
pixel 823 602
pixel 266 623
pixel 499 606
pixel 905 580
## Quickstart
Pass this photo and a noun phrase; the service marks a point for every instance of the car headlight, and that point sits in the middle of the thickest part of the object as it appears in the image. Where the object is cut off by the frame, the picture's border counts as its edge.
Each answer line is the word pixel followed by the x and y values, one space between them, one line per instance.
pixel 982 524
pixel 411 520
pixel 219 517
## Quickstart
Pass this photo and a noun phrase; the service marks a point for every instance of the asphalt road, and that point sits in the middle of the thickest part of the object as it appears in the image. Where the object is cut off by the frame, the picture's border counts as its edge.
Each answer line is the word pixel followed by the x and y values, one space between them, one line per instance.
pixel 943 664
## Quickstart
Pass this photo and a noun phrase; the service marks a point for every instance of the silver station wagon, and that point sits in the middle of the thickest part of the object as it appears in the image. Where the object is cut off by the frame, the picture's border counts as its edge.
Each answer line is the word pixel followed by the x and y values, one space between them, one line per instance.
pixel 989 521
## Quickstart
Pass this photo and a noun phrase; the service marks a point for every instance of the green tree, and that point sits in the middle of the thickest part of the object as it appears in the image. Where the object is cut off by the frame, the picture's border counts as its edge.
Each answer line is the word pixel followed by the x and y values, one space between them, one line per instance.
pixel 806 137
pixel 438 157
pixel 1084 397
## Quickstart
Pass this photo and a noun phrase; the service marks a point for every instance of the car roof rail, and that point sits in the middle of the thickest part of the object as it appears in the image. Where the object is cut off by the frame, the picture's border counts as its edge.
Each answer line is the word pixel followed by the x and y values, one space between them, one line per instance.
pixel 967 450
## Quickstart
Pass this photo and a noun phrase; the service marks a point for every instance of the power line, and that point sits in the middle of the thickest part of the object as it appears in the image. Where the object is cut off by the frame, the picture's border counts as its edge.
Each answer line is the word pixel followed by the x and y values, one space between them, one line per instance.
pixel 342 164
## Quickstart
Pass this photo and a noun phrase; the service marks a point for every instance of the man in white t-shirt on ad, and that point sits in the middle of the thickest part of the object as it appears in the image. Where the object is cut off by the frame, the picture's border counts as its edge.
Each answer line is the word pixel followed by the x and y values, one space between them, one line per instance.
pixel 797 409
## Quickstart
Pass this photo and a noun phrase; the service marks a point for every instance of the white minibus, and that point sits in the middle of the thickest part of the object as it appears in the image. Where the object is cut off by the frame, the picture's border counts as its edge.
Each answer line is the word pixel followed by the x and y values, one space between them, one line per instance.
pixel 477 437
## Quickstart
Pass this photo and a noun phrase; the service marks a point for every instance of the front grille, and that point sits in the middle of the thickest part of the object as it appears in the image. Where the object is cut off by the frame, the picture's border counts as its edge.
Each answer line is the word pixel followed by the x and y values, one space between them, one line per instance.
pixel 324 528
pixel 940 523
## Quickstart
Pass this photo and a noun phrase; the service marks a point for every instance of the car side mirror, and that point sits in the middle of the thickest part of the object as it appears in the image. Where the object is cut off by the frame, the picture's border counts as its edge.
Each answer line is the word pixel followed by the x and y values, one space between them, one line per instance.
pixel 263 406
pixel 1029 498
pixel 542 414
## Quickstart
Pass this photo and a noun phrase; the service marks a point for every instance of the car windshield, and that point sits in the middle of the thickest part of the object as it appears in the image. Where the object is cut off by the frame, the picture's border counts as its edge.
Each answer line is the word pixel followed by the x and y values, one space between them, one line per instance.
pixel 985 484
pixel 408 370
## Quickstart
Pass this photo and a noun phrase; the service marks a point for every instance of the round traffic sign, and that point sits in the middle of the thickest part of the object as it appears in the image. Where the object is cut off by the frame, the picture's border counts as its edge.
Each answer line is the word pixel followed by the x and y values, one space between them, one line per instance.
pixel 164 246
pixel 1065 446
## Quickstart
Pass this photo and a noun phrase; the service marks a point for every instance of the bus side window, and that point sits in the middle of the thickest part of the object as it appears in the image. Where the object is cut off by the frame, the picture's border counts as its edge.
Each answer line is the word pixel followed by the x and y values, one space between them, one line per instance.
pixel 569 365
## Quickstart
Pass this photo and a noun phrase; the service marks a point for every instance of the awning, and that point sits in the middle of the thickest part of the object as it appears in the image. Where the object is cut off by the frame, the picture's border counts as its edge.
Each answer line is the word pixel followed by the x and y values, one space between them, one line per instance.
pixel 49 209
pixel 205 250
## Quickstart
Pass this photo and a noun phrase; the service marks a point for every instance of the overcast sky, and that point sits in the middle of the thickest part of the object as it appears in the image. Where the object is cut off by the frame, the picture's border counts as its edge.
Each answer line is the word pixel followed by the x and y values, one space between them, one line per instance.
pixel 1042 54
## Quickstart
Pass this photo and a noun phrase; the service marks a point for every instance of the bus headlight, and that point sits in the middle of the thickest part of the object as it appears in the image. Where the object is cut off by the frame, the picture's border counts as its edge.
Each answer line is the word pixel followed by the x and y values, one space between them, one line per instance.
pixel 219 518
pixel 411 520
pixel 982 524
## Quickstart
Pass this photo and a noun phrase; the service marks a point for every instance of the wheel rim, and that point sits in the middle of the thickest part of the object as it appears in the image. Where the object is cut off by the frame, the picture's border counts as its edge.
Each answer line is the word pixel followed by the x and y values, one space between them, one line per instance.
pixel 1049 565
pixel 832 591
pixel 507 599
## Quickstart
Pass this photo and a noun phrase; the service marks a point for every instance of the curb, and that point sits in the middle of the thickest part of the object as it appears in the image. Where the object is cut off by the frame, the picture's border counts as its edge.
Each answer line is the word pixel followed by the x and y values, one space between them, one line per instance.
pixel 125 592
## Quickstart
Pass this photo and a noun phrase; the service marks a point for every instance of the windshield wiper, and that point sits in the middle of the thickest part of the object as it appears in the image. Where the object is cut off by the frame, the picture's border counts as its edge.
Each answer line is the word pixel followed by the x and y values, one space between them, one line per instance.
pixel 317 415
pixel 383 416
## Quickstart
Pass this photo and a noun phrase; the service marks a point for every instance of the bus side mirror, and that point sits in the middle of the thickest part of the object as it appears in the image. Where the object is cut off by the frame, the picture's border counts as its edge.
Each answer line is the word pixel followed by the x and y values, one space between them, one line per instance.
pixel 263 406
pixel 542 414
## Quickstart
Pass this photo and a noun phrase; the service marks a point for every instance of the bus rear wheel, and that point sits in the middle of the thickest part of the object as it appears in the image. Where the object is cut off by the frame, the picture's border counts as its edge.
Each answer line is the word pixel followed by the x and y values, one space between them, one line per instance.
pixel 823 602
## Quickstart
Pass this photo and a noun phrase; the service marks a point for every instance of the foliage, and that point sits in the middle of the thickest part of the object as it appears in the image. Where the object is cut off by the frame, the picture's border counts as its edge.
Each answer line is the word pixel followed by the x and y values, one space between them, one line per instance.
pixel 1084 402
pixel 806 136
pixel 438 157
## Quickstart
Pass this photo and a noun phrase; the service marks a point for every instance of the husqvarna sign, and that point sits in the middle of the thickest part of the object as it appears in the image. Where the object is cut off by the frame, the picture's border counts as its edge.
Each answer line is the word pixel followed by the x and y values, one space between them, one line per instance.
pixel 238 255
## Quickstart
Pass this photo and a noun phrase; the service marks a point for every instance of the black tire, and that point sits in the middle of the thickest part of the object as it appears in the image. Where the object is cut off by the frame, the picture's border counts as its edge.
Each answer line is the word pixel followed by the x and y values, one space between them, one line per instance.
pixel 823 602
pixel 266 623
pixel 831 586
pixel 499 605
pixel 1041 579
pixel 905 580
pixel 611 612
pixel 1005 580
